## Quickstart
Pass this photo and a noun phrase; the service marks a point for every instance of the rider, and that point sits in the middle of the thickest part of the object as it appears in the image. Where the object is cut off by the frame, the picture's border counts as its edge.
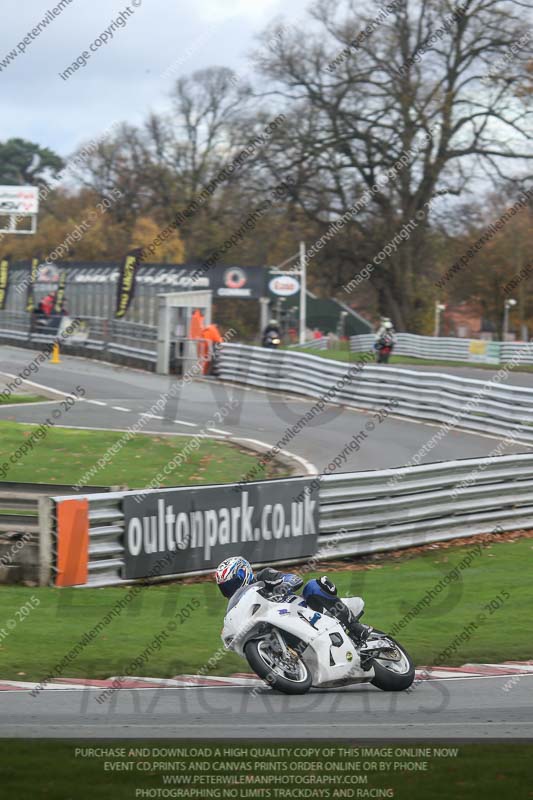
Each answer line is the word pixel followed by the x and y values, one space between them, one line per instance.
pixel 386 329
pixel 320 594
pixel 272 327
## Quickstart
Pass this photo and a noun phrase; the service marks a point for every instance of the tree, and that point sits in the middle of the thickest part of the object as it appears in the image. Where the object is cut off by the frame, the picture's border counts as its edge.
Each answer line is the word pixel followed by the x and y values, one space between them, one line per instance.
pixel 162 166
pixel 404 100
pixel 24 163
pixel 502 269
pixel 145 231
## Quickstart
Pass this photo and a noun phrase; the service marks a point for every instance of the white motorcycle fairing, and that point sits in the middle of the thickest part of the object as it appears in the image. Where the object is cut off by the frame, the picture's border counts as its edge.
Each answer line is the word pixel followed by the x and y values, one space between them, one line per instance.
pixel 330 654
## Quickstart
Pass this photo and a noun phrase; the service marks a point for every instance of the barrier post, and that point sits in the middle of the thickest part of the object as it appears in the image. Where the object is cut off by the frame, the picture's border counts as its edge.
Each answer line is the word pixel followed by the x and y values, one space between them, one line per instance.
pixel 45 541
pixel 55 354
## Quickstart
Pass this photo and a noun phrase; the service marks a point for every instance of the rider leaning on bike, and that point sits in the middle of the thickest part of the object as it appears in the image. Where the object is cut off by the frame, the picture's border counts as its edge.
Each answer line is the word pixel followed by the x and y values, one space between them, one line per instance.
pixel 320 594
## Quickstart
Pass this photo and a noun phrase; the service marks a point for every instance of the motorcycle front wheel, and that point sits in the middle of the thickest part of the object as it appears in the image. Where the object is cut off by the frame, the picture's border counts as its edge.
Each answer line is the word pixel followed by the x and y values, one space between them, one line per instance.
pixel 279 664
pixel 393 669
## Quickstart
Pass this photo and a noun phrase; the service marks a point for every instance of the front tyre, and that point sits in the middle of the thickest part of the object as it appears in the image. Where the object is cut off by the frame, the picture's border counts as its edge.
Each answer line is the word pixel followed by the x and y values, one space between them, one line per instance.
pixel 393 669
pixel 279 664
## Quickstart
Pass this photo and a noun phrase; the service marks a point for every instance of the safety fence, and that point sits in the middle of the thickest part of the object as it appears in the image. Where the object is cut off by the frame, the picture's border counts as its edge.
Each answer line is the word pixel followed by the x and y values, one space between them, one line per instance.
pixel 103 540
pixel 312 344
pixel 26 530
pixel 119 537
pixel 94 337
pixel 479 406
pixel 369 512
pixel 450 349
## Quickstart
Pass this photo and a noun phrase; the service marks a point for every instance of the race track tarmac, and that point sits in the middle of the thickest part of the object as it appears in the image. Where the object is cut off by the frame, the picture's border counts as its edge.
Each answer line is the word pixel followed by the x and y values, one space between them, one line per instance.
pixel 459 708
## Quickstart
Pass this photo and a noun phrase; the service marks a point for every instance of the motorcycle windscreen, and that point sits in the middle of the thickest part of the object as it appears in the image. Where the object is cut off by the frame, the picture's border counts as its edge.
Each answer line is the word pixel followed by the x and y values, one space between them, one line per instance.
pixel 239 594
pixel 228 588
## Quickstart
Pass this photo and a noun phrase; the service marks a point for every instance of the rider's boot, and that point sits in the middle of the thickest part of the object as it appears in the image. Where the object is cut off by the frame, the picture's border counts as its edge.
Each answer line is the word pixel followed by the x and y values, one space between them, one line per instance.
pixel 329 600
pixel 358 632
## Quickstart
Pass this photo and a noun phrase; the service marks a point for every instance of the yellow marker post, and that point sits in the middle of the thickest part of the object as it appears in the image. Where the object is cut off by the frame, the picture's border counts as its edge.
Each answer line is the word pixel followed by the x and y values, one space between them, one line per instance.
pixel 55 355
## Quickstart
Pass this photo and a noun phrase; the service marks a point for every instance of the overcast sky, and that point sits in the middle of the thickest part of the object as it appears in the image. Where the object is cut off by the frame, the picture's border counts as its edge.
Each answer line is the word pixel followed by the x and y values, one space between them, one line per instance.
pixel 124 79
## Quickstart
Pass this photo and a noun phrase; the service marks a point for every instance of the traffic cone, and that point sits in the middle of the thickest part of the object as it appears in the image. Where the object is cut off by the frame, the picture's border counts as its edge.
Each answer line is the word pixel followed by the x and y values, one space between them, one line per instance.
pixel 55 354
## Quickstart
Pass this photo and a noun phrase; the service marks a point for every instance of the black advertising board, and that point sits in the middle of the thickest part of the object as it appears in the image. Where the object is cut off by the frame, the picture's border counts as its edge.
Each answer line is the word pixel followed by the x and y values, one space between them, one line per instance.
pixel 239 282
pixel 197 528
pixel 225 281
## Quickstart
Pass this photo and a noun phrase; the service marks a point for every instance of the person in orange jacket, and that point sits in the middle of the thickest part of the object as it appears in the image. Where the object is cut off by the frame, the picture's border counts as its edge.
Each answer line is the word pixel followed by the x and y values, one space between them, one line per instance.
pixel 211 334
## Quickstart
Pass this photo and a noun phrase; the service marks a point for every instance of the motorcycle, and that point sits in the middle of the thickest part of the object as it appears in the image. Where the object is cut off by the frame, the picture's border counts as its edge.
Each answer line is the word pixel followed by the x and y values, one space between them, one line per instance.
pixel 383 348
pixel 293 648
pixel 271 340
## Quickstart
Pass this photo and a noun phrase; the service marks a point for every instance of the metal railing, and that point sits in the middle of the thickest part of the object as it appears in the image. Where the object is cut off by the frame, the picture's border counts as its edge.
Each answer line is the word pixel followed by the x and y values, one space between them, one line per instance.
pixel 106 535
pixel 446 348
pixel 312 344
pixel 367 512
pixel 107 338
pixel 478 406
pixel 25 514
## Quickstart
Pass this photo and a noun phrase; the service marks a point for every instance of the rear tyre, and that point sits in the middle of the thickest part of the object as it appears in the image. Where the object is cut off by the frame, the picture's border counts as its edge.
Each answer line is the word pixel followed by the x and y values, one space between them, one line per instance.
pixel 285 672
pixel 393 670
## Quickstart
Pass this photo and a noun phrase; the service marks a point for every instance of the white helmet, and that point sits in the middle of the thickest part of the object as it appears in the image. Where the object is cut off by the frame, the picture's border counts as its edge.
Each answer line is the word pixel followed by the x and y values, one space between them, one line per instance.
pixel 233 573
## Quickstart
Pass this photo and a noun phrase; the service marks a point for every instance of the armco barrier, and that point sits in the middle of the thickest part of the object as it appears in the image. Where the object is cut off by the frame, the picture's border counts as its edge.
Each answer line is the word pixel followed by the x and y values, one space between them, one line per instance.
pixel 369 512
pixel 312 344
pixel 446 348
pixel 26 550
pixel 104 540
pixel 109 339
pixel 479 406
pixel 359 513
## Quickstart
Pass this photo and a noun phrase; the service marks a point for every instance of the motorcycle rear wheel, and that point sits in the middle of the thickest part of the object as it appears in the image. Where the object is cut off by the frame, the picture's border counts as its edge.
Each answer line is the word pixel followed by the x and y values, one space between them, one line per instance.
pixel 290 676
pixel 393 676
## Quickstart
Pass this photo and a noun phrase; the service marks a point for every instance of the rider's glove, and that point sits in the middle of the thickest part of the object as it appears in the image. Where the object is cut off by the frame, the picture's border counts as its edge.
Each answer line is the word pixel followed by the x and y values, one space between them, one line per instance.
pixel 327 586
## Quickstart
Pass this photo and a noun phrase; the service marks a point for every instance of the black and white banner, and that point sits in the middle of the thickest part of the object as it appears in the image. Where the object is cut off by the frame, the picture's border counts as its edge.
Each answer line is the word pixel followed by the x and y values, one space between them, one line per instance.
pixel 199 527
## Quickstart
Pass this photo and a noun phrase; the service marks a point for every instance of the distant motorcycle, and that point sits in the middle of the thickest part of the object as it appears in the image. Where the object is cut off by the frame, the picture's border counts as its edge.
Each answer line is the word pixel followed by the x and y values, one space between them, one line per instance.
pixel 292 648
pixel 383 348
pixel 271 340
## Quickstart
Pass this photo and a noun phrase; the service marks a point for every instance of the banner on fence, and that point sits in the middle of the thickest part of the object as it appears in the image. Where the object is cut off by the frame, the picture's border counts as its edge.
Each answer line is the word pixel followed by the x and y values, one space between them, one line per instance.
pixel 484 352
pixel 4 280
pixel 60 293
pixel 197 528
pixel 126 281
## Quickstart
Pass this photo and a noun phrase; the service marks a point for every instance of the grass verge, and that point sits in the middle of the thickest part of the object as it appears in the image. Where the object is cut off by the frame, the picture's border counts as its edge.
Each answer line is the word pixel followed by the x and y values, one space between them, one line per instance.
pixel 497 584
pixel 347 356
pixel 65 454
pixel 20 398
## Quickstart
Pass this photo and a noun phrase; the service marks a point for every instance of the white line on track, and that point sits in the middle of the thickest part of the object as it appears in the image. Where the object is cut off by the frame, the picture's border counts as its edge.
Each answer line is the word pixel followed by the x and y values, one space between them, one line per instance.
pixel 24 405
pixel 307 465
pixel 182 422
pixel 217 430
pixel 334 725
pixel 96 402
pixel 120 408
pixel 418 685
pixel 125 430
pixel 37 385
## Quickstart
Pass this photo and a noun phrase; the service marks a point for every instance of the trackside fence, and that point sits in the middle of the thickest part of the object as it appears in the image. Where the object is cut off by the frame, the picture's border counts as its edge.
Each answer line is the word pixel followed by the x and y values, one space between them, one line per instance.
pixel 450 349
pixel 359 513
pixel 479 406
pixel 106 339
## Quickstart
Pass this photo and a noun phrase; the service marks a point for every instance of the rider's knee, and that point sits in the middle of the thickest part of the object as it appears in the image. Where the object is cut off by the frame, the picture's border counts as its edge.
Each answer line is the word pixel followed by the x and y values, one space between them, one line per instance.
pixel 321 588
